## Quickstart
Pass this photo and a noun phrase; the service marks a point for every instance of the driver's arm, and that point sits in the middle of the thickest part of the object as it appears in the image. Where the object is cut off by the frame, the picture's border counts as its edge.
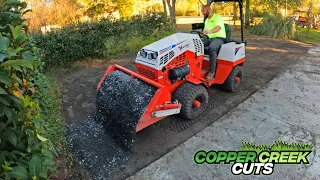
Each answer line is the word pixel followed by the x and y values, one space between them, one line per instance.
pixel 214 30
pixel 219 22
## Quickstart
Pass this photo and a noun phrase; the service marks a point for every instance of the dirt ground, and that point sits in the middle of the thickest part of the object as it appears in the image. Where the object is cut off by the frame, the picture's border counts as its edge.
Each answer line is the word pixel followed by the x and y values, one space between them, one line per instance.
pixel 265 59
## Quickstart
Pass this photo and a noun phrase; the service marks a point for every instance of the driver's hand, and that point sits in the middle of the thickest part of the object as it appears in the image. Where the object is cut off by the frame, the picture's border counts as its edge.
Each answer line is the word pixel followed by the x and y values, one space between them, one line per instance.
pixel 206 32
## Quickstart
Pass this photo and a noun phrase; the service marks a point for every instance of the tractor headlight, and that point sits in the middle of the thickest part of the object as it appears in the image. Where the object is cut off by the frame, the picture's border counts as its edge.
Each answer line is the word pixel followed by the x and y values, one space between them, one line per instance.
pixel 153 55
pixel 150 55
pixel 143 53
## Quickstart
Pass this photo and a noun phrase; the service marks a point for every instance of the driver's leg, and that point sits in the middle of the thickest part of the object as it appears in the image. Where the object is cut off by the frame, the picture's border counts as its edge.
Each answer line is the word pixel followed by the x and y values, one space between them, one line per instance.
pixel 213 54
pixel 207 42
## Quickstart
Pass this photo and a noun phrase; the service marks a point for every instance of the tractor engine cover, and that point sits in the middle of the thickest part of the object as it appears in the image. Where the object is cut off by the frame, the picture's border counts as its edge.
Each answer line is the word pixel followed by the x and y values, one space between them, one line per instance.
pixel 159 54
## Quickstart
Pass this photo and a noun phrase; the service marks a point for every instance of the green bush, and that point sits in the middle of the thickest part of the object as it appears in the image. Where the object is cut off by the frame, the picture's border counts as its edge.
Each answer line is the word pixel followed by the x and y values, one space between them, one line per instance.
pixel 89 40
pixel 115 47
pixel 51 112
pixel 180 12
pixel 275 26
pixel 24 153
pixel 191 12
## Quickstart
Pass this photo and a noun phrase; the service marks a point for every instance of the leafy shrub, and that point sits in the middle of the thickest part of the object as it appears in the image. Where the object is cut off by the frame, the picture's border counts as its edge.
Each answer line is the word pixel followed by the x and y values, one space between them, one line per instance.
pixel 24 153
pixel 186 12
pixel 155 8
pixel 87 40
pixel 191 12
pixel 117 46
pixel 275 26
pixel 180 12
pixel 50 110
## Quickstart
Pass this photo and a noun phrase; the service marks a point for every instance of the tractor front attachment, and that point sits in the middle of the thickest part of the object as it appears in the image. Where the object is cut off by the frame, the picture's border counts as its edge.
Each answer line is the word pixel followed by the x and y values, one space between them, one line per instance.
pixel 128 102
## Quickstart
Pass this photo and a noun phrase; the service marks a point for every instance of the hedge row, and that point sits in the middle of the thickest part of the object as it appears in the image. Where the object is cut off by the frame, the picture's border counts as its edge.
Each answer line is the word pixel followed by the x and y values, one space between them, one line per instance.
pixel 89 40
pixel 275 26
pixel 24 152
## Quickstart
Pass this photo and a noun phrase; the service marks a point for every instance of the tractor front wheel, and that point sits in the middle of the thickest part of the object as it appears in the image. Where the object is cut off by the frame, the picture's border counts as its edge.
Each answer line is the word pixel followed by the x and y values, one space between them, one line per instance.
pixel 232 83
pixel 193 98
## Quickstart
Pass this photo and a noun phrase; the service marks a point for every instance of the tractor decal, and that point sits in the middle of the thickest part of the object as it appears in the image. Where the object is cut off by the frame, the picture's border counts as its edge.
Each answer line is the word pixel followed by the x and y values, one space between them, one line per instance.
pixel 236 50
pixel 184 46
pixel 171 47
pixel 165 49
pixel 181 42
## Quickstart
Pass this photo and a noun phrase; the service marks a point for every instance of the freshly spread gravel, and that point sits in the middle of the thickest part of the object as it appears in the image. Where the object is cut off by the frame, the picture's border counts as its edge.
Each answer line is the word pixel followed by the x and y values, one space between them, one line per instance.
pixel 104 140
pixel 94 149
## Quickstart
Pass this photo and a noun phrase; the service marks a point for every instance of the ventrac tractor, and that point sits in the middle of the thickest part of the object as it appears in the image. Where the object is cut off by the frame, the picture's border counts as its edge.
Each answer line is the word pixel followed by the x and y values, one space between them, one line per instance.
pixel 176 66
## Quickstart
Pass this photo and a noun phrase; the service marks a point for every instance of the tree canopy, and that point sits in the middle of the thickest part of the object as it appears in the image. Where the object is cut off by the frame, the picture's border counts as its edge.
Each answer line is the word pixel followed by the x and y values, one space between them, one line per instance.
pixel 62 12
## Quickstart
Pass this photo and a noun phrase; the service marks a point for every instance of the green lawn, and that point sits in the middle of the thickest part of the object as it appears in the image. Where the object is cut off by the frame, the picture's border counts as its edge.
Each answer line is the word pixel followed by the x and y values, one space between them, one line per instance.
pixel 313 37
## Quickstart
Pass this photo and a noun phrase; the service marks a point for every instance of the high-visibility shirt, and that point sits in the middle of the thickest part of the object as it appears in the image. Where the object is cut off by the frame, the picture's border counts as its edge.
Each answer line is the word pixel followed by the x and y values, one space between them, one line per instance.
pixel 215 20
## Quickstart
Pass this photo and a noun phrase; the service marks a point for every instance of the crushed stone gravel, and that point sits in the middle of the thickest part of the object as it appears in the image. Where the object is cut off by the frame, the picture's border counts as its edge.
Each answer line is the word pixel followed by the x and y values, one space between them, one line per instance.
pixel 121 102
pixel 105 140
pixel 94 149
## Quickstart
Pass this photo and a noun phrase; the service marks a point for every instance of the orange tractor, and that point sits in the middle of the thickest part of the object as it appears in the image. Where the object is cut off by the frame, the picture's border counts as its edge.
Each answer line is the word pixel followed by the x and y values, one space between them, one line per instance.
pixel 176 66
pixel 302 21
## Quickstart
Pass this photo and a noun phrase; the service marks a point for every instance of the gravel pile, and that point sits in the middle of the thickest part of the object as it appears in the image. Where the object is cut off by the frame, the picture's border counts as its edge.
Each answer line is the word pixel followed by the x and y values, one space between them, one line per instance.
pixel 95 150
pixel 121 102
pixel 102 143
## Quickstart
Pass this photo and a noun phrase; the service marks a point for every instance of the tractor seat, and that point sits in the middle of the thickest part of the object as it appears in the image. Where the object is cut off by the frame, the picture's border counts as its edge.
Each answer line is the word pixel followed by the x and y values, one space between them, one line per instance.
pixel 226 40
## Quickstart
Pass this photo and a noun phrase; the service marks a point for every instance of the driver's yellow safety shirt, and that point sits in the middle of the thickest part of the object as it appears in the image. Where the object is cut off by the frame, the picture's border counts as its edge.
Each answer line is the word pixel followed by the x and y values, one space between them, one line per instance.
pixel 215 20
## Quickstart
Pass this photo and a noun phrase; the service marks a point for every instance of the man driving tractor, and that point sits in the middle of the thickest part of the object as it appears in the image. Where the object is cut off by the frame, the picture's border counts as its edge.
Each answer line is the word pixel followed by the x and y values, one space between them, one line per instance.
pixel 215 30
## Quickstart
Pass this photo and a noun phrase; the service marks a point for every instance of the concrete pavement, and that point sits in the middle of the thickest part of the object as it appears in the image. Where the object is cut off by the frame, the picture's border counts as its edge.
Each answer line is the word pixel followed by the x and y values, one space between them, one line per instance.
pixel 287 109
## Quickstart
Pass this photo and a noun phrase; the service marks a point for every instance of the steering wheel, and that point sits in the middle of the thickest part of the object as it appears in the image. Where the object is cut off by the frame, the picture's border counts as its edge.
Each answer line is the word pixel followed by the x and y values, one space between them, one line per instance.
pixel 201 34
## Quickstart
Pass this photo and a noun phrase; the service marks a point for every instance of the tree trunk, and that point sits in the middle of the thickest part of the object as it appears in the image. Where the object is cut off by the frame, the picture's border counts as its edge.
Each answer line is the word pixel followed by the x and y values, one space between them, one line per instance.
pixel 286 9
pixel 247 23
pixel 172 10
pixel 308 18
pixel 234 14
pixel 315 20
pixel 165 12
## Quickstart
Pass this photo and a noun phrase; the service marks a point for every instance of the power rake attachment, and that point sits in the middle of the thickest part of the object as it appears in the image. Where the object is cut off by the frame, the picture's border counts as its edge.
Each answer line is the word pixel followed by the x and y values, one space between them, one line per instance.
pixel 128 102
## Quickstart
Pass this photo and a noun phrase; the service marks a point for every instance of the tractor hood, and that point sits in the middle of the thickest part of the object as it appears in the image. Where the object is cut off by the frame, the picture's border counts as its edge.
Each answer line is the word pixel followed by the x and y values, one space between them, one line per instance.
pixel 170 42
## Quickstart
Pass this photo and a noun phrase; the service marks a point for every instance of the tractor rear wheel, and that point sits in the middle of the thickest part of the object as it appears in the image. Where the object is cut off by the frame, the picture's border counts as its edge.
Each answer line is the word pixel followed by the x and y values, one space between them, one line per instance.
pixel 232 83
pixel 193 98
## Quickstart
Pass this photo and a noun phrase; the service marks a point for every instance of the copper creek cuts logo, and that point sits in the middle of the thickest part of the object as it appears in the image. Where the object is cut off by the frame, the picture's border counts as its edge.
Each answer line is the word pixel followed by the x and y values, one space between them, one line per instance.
pixel 257 159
